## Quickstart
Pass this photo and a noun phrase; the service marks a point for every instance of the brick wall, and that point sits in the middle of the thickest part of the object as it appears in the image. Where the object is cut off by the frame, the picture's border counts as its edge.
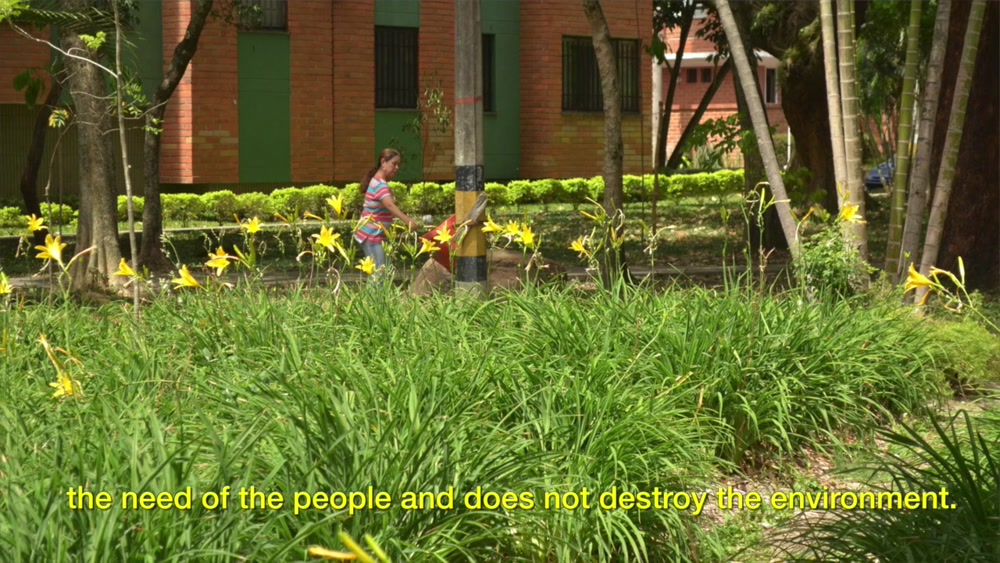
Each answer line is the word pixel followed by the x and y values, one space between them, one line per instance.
pixel 310 27
pixel 19 55
pixel 723 104
pixel 561 145
pixel 214 96
pixel 437 69
pixel 353 89
pixel 176 151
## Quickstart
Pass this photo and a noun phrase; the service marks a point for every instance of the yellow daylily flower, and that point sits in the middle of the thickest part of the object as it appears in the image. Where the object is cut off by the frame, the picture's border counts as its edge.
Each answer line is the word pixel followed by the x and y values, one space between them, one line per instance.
pixel 915 279
pixel 310 215
pixel 252 226
pixel 527 237
pixel 52 249
pixel 186 279
pixel 367 265
pixel 327 239
pixel 324 553
pixel 512 229
pixel 849 214
pixel 219 260
pixel 337 204
pixel 427 246
pixel 5 287
pixel 36 223
pixel 65 387
pixel 491 227
pixel 579 246
pixel 125 271
pixel 443 236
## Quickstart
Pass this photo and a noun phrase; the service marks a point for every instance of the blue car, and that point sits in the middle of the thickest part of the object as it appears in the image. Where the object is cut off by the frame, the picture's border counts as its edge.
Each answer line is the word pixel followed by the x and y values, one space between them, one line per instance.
pixel 879 179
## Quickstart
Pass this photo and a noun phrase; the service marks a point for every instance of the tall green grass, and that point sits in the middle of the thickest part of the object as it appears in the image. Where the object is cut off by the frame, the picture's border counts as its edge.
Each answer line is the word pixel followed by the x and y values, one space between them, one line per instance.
pixel 542 391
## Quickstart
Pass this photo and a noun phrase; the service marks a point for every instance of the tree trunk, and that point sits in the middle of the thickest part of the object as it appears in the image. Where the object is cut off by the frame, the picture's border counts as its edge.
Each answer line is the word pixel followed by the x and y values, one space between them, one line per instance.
pixel 916 205
pixel 971 230
pixel 614 195
pixel 29 177
pixel 98 222
pixel 836 119
pixel 151 254
pixel 898 214
pixel 748 85
pixel 857 235
pixel 956 122
pixel 678 153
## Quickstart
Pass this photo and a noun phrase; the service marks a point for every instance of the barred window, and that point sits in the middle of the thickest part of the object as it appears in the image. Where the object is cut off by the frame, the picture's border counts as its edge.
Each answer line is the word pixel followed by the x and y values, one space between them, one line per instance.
pixel 396 67
pixel 581 87
pixel 489 64
pixel 270 15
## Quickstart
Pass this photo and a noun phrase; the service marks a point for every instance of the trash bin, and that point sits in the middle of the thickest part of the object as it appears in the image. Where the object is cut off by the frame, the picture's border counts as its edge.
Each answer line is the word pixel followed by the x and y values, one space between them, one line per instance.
pixel 443 256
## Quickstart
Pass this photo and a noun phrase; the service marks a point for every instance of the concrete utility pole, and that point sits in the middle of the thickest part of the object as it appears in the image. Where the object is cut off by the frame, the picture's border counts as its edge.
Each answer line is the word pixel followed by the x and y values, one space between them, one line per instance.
pixel 470 264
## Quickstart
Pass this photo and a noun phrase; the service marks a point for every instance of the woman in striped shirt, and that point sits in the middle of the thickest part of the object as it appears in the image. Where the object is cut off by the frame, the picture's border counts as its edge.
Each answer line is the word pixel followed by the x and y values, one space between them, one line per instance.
pixel 380 207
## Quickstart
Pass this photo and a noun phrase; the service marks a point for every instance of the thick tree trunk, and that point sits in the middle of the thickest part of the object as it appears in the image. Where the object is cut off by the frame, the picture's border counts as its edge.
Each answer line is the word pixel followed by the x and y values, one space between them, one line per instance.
pixel 756 107
pixel 916 205
pixel 29 177
pixel 971 229
pixel 151 252
pixel 614 151
pixel 98 222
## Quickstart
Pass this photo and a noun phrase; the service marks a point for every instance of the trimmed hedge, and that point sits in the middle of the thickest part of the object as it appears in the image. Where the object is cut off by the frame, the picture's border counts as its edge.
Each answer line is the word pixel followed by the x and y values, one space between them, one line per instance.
pixel 419 199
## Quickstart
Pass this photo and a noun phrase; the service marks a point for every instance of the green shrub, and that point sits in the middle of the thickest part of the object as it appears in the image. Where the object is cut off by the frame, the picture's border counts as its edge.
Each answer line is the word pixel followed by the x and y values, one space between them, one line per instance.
pixel 497 193
pixel 519 192
pixel 315 198
pixel 547 191
pixel 595 188
pixel 354 198
pixel 138 204
pixel 633 188
pixel 12 218
pixel 289 202
pixel 828 264
pixel 254 204
pixel 577 190
pixel 182 208
pixel 219 206
pixel 58 214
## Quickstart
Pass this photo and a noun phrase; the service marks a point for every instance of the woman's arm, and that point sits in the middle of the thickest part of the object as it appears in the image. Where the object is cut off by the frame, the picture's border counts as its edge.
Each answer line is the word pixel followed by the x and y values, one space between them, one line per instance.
pixel 390 203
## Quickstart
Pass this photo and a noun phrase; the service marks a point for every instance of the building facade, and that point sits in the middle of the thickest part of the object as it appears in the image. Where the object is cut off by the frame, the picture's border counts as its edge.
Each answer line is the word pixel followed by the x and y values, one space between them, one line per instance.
pixel 308 91
pixel 697 70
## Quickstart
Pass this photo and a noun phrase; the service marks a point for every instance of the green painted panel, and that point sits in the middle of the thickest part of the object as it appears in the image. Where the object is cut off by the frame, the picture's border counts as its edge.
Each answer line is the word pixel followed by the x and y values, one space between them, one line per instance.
pixel 147 54
pixel 397 13
pixel 390 132
pixel 265 104
pixel 502 129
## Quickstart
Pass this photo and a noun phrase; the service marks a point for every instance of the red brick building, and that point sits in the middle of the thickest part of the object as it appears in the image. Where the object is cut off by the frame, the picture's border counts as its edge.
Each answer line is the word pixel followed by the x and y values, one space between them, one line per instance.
pixel 696 75
pixel 311 90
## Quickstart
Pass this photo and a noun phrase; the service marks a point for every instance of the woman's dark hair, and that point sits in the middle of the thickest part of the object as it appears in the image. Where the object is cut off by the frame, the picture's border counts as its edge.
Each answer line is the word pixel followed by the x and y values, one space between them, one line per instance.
pixel 387 154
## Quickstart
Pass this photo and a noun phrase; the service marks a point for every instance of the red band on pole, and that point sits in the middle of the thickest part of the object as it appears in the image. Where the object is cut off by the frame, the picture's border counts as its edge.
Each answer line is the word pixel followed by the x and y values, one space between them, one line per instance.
pixel 463 101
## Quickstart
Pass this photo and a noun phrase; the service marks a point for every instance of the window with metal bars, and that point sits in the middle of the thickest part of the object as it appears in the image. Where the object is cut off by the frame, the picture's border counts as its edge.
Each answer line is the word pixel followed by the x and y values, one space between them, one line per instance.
pixel 581 88
pixel 269 15
pixel 396 67
pixel 489 65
